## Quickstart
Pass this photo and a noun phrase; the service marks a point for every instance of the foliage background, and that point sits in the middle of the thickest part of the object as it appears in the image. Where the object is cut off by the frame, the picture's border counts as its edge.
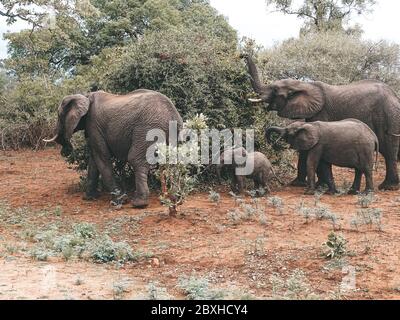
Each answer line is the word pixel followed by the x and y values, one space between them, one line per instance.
pixel 182 48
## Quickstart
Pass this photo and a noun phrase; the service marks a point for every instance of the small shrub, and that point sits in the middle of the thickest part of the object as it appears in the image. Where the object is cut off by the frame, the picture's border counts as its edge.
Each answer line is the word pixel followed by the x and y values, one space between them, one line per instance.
pixel 214 197
pixel 368 217
pixel 365 200
pixel 277 203
pixel 199 289
pixel 335 246
pixel 119 289
pixel 157 293
pixel 247 212
pixel 177 180
pixel 40 253
pixel 234 216
pixel 85 230
pixel 319 213
pixel 294 287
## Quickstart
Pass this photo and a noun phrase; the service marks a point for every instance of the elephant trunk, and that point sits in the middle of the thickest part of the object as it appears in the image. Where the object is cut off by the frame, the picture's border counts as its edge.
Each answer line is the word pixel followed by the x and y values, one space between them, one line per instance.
pixel 280 131
pixel 254 76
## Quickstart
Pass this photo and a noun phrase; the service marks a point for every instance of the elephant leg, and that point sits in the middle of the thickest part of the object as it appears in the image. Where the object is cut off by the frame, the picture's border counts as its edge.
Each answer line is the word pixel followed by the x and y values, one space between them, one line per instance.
pixel 240 184
pixel 300 180
pixel 391 181
pixel 369 187
pixel 390 151
pixel 312 164
pixel 326 175
pixel 218 169
pixel 355 188
pixel 104 165
pixel 92 181
pixel 142 193
pixel 258 180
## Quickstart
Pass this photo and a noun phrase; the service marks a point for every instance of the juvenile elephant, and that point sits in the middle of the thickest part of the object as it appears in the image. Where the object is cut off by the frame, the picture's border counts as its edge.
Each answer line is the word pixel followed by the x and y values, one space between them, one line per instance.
pixel 369 101
pixel 115 125
pixel 261 174
pixel 347 143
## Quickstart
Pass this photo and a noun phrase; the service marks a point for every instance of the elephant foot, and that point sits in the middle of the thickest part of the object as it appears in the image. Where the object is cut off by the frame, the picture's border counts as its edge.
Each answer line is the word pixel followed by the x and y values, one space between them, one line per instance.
pixel 352 192
pixel 309 192
pixel 368 191
pixel 386 186
pixel 140 203
pixel 332 192
pixel 298 183
pixel 92 196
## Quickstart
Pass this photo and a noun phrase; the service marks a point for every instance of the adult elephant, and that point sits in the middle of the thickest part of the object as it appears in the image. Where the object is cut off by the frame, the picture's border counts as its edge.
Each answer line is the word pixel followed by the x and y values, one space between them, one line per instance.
pixel 369 101
pixel 115 125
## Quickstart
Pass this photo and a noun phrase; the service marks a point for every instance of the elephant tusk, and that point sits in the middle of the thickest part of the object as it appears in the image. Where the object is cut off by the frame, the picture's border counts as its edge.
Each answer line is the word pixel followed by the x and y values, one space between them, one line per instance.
pixel 276 142
pixel 255 100
pixel 51 140
pixel 393 134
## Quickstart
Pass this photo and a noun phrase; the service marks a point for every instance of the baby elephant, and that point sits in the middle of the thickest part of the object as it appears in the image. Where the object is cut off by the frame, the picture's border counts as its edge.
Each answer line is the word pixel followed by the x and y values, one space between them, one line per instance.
pixel 347 143
pixel 254 165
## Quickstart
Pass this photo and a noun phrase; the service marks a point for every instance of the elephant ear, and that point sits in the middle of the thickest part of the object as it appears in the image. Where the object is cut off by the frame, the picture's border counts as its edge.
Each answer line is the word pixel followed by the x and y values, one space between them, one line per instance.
pixel 303 100
pixel 305 137
pixel 70 112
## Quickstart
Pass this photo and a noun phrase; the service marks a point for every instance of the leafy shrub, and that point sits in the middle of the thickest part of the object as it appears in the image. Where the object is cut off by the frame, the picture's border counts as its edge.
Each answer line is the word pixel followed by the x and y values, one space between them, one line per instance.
pixel 199 289
pixel 370 217
pixel 214 197
pixel 105 250
pixel 294 287
pixel 335 246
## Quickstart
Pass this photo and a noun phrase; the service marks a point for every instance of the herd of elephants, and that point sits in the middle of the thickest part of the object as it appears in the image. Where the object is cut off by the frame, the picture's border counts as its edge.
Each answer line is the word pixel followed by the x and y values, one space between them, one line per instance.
pixel 344 125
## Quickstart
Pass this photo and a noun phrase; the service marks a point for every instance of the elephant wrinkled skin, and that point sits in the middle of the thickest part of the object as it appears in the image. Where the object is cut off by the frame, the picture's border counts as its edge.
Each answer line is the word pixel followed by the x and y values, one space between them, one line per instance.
pixel 347 143
pixel 115 125
pixel 369 101
pixel 262 173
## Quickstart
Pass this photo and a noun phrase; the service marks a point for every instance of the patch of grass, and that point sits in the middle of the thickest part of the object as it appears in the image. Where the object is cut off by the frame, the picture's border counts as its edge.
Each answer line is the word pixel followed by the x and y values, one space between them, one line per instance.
pixel 84 241
pixel 214 197
pixel 40 253
pixel 319 213
pixel 368 217
pixel 155 292
pixel 248 212
pixel 120 288
pixel 104 249
pixel 78 281
pixel 260 192
pixel 365 200
pixel 294 287
pixel 199 289
pixel 11 249
pixel 277 203
pixel 257 247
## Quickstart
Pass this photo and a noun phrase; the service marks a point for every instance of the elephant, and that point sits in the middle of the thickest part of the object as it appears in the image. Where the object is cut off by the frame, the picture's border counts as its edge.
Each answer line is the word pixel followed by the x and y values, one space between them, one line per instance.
pixel 346 143
pixel 115 126
pixel 262 172
pixel 369 101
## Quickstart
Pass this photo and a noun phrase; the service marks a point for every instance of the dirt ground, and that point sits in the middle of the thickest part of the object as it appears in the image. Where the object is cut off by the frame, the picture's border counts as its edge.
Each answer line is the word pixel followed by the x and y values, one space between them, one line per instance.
pixel 276 256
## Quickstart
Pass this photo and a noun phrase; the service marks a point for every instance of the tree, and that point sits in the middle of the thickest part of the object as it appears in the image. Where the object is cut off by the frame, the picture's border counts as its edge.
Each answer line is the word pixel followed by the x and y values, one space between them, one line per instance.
pixel 323 15
pixel 80 30
pixel 334 58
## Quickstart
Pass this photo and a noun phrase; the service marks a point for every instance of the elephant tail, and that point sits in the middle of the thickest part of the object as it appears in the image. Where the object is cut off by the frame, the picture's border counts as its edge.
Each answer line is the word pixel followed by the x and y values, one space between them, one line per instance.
pixel 276 177
pixel 376 154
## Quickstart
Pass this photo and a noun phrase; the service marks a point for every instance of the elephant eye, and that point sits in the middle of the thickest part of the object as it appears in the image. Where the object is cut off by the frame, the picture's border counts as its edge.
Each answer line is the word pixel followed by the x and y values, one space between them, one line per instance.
pixel 291 94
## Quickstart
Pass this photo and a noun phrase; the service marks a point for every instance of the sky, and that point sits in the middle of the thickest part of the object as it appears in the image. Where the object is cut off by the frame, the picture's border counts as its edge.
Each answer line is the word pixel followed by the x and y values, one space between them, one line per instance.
pixel 251 18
